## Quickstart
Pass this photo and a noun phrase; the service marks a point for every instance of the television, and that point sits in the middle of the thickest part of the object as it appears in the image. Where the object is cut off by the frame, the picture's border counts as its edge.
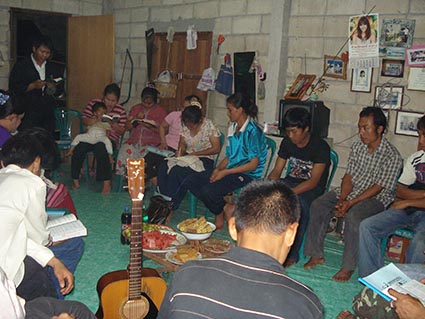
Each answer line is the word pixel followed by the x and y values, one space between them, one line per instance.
pixel 319 115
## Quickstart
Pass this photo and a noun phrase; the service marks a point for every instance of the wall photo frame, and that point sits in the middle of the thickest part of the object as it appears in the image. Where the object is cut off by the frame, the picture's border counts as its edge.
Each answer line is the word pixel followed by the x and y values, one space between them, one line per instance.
pixel 334 67
pixel 361 80
pixel 416 56
pixel 397 32
pixel 406 123
pixel 392 68
pixel 300 86
pixel 389 97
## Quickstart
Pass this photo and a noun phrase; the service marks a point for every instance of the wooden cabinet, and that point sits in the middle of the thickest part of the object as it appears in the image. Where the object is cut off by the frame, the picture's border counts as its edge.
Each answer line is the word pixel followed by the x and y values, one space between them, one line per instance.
pixel 186 66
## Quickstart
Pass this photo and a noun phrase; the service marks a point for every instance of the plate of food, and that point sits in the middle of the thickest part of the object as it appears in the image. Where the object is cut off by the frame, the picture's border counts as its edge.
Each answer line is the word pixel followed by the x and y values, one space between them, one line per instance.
pixel 182 255
pixel 196 228
pixel 217 245
pixel 161 241
pixel 156 226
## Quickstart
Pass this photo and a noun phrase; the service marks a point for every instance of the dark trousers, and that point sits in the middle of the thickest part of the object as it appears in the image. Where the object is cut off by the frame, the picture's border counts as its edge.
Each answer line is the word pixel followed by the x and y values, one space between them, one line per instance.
pixel 40 112
pixel 305 200
pixel 103 165
pixel 176 183
pixel 42 308
pixel 211 194
pixel 36 282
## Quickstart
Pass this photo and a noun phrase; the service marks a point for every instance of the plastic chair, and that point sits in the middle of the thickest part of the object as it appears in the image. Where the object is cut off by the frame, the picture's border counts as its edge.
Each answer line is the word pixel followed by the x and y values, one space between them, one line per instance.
pixel 271 150
pixel 65 123
pixel 406 234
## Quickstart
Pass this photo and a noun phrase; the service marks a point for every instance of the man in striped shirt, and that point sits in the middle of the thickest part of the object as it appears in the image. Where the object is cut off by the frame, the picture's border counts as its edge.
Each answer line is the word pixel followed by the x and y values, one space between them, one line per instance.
pixel 249 281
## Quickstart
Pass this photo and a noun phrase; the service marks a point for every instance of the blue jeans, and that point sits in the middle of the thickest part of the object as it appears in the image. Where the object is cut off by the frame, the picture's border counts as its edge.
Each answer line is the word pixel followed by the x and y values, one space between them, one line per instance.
pixel 374 229
pixel 69 253
pixel 305 200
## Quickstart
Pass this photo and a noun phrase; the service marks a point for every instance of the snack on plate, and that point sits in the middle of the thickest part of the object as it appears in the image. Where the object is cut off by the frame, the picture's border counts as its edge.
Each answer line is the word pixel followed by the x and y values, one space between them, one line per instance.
pixel 184 254
pixel 155 239
pixel 217 246
pixel 195 226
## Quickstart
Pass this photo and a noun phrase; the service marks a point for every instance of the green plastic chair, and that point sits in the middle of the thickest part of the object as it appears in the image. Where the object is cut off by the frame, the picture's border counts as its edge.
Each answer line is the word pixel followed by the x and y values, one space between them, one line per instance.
pixel 271 150
pixel 64 122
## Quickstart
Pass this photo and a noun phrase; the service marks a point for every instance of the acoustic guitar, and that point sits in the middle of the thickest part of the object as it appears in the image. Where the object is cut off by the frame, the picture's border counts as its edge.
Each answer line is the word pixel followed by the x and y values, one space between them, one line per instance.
pixel 137 292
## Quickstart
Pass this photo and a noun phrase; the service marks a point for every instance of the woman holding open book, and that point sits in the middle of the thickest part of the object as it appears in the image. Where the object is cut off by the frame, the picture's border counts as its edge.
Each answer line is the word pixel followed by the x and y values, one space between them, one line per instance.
pixel 143 123
pixel 200 140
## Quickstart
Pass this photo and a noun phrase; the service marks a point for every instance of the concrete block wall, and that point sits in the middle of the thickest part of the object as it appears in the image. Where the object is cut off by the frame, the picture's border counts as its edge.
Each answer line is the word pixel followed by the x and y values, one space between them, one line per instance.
pixel 73 7
pixel 320 27
pixel 244 23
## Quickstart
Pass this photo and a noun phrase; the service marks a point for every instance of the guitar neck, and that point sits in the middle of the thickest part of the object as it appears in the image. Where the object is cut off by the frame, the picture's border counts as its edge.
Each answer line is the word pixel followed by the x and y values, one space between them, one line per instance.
pixel 136 187
pixel 136 251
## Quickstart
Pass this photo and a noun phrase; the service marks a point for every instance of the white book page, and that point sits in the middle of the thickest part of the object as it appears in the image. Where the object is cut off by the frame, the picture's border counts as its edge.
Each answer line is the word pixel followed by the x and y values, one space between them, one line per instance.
pixel 61 220
pixel 67 231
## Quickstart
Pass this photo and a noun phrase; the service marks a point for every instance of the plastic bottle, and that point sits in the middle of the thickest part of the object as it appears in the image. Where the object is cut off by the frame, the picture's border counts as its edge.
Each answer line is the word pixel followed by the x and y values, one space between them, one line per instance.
pixel 125 224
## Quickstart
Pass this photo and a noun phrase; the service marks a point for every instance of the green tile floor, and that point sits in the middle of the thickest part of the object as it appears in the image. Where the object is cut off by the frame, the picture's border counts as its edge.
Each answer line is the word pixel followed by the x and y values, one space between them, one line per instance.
pixel 104 252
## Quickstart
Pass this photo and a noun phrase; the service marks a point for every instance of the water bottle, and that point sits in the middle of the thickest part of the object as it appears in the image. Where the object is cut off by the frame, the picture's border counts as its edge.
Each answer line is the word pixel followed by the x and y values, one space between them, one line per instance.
pixel 126 226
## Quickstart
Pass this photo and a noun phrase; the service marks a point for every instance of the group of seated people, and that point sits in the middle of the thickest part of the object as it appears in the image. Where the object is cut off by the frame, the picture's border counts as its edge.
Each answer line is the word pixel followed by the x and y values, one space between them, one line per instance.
pixel 264 219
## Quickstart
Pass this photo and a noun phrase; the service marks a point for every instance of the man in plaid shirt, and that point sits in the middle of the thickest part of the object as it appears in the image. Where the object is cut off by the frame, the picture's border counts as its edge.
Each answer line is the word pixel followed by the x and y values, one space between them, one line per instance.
pixel 367 188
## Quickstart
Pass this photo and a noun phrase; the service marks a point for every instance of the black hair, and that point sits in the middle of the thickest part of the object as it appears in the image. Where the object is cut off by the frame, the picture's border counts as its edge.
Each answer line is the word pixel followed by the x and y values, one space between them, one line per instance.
pixel 266 206
pixel 112 88
pixel 297 117
pixel 192 114
pixel 191 97
pixel 150 92
pixel 42 40
pixel 9 105
pixel 50 156
pixel 243 100
pixel 421 123
pixel 379 118
pixel 21 150
pixel 98 105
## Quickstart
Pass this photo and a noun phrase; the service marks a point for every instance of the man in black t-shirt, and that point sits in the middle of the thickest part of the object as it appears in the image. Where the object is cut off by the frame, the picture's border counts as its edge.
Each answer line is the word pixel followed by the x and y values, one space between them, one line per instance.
pixel 308 159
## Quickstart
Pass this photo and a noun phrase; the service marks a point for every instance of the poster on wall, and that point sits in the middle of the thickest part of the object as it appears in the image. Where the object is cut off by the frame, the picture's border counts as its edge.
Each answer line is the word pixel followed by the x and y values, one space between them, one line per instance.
pixel 363 45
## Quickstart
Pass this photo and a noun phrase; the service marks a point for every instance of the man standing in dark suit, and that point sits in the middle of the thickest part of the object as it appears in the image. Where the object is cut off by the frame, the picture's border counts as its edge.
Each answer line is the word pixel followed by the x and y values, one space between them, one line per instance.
pixel 32 81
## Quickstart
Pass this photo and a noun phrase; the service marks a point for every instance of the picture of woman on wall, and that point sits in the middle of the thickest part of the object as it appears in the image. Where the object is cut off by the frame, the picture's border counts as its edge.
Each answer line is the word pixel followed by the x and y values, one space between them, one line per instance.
pixel 363 33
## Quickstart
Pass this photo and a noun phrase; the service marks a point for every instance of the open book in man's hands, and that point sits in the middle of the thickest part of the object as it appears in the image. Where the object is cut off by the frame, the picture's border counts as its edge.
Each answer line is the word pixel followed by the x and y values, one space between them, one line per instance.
pixel 391 277
pixel 66 227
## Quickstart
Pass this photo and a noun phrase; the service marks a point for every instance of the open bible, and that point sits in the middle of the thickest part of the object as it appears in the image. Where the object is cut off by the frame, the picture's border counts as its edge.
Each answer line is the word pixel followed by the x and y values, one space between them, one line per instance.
pixel 66 227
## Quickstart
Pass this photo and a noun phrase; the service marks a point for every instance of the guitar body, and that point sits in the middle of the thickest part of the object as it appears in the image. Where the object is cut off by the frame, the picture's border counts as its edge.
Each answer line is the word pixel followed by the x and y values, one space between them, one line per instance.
pixel 112 289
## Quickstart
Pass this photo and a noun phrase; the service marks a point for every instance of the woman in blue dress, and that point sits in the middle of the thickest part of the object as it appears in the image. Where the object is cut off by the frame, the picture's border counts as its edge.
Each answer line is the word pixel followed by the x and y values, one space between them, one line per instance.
pixel 246 153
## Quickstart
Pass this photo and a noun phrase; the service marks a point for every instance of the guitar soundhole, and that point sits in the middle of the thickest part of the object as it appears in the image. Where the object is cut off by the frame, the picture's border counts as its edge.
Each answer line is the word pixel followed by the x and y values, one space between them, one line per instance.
pixel 135 309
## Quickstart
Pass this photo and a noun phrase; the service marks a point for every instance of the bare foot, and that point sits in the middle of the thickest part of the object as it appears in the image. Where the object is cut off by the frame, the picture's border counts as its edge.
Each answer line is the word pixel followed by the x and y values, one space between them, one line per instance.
pixel 343 275
pixel 345 314
pixel 313 262
pixel 289 262
pixel 106 187
pixel 228 210
pixel 75 184
pixel 219 221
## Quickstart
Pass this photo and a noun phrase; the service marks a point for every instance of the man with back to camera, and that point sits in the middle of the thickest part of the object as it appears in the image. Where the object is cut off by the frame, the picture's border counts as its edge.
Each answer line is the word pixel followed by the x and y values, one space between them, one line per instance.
pixel 31 80
pixel 407 211
pixel 366 189
pixel 309 159
pixel 249 281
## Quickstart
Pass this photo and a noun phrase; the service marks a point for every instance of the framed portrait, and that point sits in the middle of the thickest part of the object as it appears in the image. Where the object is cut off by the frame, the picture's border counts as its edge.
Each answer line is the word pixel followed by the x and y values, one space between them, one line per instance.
pixel 393 68
pixel 416 56
pixel 389 97
pixel 361 80
pixel 406 123
pixel 300 86
pixel 397 33
pixel 334 67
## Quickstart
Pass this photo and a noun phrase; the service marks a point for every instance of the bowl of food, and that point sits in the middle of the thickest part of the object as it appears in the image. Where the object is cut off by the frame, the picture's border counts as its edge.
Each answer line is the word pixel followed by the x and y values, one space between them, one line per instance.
pixel 196 228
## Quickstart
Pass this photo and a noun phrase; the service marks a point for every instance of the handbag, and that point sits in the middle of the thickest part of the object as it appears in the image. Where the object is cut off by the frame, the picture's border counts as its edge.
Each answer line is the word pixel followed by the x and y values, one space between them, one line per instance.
pixel 224 82
pixel 158 210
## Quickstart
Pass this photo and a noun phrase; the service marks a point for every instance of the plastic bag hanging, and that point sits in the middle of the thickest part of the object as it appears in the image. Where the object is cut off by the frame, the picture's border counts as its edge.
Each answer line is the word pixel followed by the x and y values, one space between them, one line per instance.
pixel 191 38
